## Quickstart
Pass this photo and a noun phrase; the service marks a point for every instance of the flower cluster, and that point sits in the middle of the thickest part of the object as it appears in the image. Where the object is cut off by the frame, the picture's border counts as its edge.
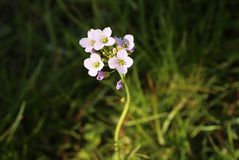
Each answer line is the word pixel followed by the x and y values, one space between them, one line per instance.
pixel 106 50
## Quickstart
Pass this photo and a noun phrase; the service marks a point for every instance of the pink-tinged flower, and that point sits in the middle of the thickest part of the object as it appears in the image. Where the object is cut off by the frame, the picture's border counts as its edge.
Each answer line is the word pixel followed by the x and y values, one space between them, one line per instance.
pixel 93 64
pixel 89 42
pixel 121 62
pixel 127 42
pixel 103 38
pixel 119 85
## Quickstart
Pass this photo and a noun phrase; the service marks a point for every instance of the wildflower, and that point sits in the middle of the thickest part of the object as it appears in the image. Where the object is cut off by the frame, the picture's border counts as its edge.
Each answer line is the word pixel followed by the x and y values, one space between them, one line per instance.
pixel 127 42
pixel 89 42
pixel 121 62
pixel 103 38
pixel 93 64
pixel 115 52
pixel 119 85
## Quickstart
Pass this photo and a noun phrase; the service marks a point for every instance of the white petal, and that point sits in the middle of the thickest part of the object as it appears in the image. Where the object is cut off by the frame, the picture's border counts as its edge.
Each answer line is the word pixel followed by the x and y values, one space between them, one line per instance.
pixel 129 37
pixel 107 31
pixel 101 66
pixel 112 62
pixel 122 54
pixel 97 35
pixel 87 63
pixel 122 69
pixel 110 42
pixel 131 46
pixel 93 72
pixel 88 49
pixel 95 57
pixel 98 46
pixel 90 33
pixel 84 42
pixel 129 61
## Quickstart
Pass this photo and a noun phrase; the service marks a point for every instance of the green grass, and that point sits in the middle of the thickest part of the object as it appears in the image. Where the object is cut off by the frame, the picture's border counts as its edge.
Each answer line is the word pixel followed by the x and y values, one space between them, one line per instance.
pixel 184 82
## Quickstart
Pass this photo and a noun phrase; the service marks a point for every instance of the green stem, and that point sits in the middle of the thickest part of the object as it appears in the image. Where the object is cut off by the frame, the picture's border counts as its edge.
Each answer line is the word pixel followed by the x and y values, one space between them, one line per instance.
pixel 122 117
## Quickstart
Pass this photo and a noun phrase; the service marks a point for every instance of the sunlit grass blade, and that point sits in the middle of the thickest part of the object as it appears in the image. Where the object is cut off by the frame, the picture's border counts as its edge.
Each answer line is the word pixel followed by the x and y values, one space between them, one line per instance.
pixel 9 133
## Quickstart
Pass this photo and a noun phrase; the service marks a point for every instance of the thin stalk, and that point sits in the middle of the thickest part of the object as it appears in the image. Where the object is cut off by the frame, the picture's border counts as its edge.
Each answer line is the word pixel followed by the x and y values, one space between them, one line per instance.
pixel 122 118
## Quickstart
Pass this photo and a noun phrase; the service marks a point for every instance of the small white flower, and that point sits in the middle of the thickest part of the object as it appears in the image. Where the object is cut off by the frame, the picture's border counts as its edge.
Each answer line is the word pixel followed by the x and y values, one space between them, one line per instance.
pixel 121 62
pixel 103 38
pixel 89 42
pixel 93 64
pixel 127 42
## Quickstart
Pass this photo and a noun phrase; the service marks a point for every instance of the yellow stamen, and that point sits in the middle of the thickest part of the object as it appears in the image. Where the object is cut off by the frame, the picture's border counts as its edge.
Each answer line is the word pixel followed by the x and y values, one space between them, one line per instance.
pixel 104 40
pixel 121 62
pixel 96 64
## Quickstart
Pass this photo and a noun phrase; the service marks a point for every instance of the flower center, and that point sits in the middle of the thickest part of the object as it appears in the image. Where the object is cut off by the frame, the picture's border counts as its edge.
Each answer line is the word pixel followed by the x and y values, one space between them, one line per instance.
pixel 121 62
pixel 104 40
pixel 125 44
pixel 92 42
pixel 96 64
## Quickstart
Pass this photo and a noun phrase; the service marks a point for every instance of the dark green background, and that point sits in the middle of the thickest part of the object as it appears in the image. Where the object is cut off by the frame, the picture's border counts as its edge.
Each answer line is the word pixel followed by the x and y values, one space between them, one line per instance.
pixel 187 54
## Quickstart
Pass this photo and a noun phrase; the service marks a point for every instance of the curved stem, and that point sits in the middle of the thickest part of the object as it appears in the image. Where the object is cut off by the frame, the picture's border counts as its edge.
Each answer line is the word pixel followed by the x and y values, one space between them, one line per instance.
pixel 122 117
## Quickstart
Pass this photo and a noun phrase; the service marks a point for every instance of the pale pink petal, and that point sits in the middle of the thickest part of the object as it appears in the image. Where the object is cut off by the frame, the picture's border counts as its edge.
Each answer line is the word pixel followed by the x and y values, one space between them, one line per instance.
pixel 129 37
pixel 98 45
pixel 84 42
pixel 101 66
pixel 131 46
pixel 88 49
pixel 112 62
pixel 122 53
pixel 93 72
pixel 129 61
pixel 122 69
pixel 90 33
pixel 107 31
pixel 110 42
pixel 87 63
pixel 119 41
pixel 95 57
pixel 97 35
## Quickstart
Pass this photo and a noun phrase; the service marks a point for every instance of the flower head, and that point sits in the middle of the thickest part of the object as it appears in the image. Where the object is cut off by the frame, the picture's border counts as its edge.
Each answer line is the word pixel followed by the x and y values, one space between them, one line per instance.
pixel 121 62
pixel 103 38
pixel 127 42
pixel 93 64
pixel 105 49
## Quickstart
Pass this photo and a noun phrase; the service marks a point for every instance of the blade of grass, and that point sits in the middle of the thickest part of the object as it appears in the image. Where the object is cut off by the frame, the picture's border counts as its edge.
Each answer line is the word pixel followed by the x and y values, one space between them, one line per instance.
pixel 172 114
pixel 8 134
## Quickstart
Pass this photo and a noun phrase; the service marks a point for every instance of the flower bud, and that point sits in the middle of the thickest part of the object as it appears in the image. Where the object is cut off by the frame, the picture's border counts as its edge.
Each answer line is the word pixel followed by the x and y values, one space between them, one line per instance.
pixel 119 85
pixel 102 75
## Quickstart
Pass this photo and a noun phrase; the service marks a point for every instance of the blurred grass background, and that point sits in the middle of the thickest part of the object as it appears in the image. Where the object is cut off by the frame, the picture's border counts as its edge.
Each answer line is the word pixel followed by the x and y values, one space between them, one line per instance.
pixel 184 82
